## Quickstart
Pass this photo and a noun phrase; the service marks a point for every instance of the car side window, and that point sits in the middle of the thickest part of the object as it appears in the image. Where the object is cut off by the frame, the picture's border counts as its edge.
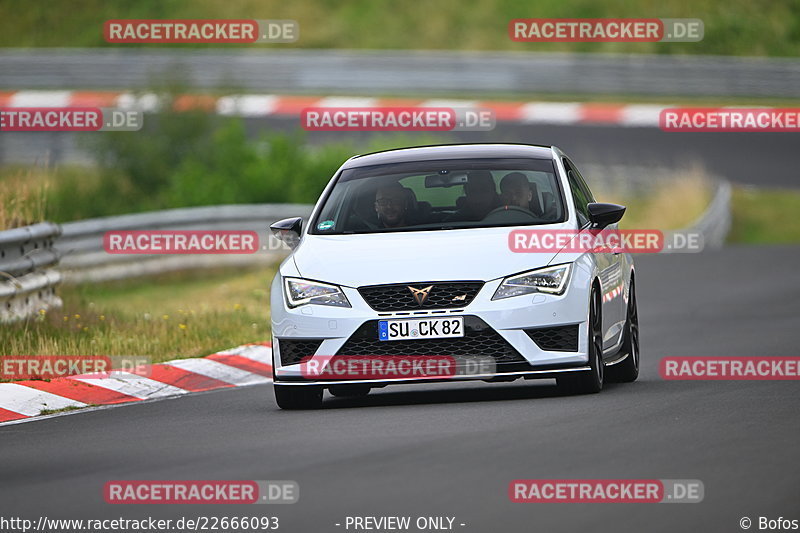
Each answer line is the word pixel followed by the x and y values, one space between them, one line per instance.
pixel 582 182
pixel 581 196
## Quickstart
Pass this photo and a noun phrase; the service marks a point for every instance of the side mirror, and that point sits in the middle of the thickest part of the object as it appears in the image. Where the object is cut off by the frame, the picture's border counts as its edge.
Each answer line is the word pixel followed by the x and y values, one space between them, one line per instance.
pixel 288 231
pixel 602 215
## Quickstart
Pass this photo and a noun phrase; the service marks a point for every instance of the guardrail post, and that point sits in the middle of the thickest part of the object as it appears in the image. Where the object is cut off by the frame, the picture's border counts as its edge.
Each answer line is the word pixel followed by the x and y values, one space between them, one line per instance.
pixel 28 278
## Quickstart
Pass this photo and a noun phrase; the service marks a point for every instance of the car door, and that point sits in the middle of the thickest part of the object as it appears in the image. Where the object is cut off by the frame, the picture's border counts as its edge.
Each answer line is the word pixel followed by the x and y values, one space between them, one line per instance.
pixel 609 264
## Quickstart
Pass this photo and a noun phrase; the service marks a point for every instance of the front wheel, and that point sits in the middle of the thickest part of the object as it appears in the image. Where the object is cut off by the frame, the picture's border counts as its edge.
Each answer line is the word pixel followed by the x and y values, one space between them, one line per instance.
pixel 295 397
pixel 591 381
pixel 628 370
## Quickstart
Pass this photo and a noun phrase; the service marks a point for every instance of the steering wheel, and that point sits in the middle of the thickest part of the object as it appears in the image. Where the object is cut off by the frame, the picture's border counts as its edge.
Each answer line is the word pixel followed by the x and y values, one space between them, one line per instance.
pixel 510 214
pixel 364 221
pixel 510 208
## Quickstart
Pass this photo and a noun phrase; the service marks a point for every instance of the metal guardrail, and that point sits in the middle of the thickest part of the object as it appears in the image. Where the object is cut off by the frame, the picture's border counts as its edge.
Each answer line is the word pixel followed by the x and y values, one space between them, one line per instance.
pixel 715 223
pixel 628 179
pixel 375 72
pixel 84 258
pixel 27 262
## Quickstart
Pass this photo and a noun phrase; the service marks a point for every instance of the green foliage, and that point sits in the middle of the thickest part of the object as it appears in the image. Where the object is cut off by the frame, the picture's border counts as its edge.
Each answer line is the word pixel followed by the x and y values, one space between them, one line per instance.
pixel 765 216
pixel 277 168
pixel 732 27
pixel 185 159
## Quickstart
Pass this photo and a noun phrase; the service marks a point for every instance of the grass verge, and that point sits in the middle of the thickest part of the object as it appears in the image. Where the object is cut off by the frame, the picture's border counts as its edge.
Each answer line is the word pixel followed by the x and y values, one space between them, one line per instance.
pixel 169 316
pixel 23 198
pixel 765 216
pixel 673 205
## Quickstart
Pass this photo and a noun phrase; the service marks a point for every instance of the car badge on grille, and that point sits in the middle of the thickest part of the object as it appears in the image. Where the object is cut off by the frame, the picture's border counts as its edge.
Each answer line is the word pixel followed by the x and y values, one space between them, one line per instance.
pixel 420 295
pixel 459 298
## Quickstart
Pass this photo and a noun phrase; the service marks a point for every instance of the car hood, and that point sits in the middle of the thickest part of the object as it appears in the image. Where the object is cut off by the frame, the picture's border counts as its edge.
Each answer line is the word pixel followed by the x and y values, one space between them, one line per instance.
pixel 378 258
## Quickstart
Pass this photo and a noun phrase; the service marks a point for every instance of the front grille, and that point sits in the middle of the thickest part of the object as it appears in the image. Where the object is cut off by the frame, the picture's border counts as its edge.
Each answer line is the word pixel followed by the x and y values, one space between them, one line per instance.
pixel 556 339
pixel 294 351
pixel 479 341
pixel 398 297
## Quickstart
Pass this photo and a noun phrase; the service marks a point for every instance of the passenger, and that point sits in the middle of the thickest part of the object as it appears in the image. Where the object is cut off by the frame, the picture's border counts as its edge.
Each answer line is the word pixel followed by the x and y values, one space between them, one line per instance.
pixel 391 205
pixel 515 190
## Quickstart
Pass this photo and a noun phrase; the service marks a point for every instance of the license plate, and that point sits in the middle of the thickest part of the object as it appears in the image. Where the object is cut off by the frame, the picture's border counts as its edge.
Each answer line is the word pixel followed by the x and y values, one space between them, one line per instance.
pixel 420 328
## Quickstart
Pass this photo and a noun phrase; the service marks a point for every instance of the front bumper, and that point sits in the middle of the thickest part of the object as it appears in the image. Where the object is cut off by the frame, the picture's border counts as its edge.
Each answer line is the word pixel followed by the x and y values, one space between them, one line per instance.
pixel 334 331
pixel 494 376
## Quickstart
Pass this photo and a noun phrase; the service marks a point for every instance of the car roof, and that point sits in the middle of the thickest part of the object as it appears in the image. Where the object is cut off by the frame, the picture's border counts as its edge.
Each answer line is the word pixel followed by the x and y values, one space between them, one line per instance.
pixel 451 151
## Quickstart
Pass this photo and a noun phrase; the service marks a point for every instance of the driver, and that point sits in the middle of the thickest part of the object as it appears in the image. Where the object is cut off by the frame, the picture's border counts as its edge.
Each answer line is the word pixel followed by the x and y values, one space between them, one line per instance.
pixel 515 190
pixel 391 205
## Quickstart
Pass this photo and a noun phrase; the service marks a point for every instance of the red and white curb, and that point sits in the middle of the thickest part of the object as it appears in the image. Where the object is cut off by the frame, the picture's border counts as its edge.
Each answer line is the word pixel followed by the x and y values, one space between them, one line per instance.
pixel 250 364
pixel 263 105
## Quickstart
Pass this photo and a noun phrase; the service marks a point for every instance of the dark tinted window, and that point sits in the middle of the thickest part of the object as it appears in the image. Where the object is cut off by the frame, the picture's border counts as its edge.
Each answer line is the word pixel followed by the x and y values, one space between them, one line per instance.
pixel 581 182
pixel 442 194
pixel 581 195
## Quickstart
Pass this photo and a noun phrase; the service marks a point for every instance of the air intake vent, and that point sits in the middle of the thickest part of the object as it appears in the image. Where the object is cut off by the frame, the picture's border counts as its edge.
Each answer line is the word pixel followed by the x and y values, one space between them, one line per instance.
pixel 294 351
pixel 556 339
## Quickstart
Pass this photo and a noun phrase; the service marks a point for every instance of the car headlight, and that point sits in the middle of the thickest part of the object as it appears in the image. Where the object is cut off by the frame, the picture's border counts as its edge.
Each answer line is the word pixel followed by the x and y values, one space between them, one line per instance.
pixel 302 291
pixel 552 280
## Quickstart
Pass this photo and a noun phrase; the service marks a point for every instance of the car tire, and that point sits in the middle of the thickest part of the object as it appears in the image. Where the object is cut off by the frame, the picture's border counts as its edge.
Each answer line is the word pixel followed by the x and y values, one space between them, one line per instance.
pixel 349 391
pixel 628 370
pixel 298 397
pixel 589 382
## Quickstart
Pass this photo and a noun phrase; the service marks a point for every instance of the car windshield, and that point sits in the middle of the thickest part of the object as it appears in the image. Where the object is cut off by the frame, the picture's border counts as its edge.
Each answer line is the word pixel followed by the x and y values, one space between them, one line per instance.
pixel 442 194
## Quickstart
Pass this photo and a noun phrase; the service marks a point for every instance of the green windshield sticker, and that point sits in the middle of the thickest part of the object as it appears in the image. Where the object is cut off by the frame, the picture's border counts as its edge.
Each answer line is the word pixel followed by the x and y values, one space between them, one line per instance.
pixel 326 224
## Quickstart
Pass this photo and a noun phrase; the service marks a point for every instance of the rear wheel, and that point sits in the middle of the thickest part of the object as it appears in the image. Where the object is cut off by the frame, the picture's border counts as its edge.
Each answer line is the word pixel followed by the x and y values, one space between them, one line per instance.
pixel 589 382
pixel 628 369
pixel 298 396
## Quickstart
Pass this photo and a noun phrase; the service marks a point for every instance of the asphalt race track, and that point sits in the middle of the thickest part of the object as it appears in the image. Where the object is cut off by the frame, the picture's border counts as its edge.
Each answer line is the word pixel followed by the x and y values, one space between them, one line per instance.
pixel 451 450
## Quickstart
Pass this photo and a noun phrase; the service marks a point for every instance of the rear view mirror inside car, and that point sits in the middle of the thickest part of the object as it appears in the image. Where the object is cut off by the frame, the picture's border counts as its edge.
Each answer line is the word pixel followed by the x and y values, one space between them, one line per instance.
pixel 445 180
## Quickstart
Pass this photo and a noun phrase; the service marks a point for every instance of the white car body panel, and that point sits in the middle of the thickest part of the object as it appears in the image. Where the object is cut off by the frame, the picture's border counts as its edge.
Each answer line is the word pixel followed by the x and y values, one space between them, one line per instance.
pixel 356 260
pixel 459 254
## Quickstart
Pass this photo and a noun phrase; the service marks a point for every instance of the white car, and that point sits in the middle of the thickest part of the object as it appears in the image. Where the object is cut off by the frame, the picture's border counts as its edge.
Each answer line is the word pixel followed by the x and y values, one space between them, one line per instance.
pixel 407 255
